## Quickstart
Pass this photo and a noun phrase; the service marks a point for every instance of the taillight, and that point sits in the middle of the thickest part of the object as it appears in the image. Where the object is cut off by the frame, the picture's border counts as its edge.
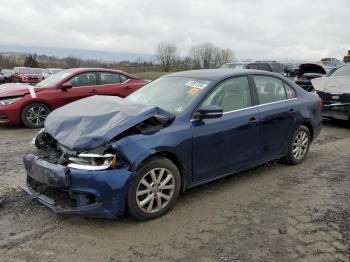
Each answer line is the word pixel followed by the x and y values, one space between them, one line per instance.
pixel 321 102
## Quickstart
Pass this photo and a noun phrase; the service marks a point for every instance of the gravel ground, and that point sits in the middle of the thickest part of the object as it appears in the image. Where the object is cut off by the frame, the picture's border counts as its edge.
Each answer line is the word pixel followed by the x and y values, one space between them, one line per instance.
pixel 271 213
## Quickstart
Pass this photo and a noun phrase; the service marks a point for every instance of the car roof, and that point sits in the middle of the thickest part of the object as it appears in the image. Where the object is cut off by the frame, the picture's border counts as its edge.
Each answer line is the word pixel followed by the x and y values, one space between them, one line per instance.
pixel 89 69
pixel 217 74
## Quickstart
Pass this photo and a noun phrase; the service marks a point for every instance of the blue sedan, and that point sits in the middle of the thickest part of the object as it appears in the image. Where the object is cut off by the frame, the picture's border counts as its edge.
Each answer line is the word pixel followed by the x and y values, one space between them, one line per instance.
pixel 102 156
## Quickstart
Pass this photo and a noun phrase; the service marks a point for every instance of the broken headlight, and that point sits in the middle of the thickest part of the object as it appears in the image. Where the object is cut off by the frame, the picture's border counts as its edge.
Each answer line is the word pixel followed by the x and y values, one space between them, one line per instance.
pixel 93 161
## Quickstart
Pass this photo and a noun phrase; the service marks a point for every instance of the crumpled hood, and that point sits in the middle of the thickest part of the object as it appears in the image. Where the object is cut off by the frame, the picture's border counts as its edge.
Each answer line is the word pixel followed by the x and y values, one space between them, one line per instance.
pixel 94 121
pixel 332 85
pixel 17 89
pixel 311 68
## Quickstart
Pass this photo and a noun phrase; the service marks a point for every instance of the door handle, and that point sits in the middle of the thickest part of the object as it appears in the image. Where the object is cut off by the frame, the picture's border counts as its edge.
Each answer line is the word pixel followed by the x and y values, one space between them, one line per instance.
pixel 93 91
pixel 253 120
pixel 292 110
pixel 128 87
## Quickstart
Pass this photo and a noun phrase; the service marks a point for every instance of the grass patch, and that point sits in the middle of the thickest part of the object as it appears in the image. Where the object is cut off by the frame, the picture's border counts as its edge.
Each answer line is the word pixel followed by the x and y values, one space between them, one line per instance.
pixel 150 75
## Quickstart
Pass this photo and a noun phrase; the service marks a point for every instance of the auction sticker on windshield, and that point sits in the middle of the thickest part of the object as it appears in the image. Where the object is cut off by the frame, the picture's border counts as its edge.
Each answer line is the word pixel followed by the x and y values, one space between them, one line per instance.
pixel 197 83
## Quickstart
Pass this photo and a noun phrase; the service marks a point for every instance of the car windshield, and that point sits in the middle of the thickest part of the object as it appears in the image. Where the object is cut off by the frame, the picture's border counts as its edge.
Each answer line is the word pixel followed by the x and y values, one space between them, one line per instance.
pixel 55 79
pixel 233 66
pixel 341 71
pixel 55 71
pixel 6 71
pixel 26 71
pixel 173 94
pixel 37 71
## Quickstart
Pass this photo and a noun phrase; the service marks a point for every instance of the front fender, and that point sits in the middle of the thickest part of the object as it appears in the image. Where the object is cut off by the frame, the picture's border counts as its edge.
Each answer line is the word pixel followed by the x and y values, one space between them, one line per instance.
pixel 136 148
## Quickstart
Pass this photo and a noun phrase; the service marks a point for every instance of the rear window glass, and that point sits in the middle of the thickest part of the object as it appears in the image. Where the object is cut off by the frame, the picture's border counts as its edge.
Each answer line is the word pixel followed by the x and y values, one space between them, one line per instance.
pixel 270 89
pixel 109 78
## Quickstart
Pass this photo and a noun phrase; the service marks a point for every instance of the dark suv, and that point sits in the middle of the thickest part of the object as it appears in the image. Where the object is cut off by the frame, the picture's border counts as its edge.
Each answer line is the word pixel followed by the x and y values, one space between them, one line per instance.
pixel 270 66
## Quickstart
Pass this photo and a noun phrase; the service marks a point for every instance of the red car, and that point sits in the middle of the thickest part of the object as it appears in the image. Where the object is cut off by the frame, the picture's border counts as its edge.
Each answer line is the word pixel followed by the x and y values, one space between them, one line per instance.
pixel 26 75
pixel 29 105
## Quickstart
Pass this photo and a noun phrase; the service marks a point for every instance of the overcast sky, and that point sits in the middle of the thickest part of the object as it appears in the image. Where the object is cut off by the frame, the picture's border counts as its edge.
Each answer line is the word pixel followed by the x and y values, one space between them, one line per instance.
pixel 256 29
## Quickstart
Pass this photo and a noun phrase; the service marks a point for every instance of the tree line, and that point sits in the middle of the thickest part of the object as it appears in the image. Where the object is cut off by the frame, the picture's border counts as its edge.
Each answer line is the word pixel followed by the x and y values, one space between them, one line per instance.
pixel 205 55
pixel 166 58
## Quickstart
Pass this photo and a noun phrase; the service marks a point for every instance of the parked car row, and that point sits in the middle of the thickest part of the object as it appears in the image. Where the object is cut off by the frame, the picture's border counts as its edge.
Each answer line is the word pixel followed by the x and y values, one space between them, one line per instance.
pixel 330 80
pixel 26 75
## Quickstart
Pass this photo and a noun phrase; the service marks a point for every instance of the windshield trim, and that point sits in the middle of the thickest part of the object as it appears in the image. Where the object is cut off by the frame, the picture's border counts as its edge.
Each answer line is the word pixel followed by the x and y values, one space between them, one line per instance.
pixel 61 81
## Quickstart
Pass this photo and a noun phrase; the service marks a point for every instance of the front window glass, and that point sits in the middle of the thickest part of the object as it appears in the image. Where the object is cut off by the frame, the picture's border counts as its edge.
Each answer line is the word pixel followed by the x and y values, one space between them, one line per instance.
pixel 173 94
pixel 84 79
pixel 270 89
pixel 232 94
pixel 55 79
pixel 342 71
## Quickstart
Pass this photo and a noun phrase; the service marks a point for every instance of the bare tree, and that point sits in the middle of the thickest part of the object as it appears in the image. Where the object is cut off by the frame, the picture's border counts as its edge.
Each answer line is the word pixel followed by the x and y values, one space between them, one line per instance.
pixel 227 56
pixel 73 61
pixel 207 55
pixel 166 53
pixel 203 54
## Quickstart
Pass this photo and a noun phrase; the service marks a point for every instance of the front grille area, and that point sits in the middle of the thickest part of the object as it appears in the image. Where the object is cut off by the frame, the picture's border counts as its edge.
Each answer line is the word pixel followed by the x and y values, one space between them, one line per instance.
pixel 62 196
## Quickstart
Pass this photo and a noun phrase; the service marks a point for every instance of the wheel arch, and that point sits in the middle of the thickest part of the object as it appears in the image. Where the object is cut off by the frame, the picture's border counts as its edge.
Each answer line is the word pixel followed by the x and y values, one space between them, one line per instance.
pixel 309 127
pixel 173 158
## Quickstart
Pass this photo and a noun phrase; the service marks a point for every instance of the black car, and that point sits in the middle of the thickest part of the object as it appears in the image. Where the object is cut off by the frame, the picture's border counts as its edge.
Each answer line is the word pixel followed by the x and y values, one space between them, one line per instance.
pixel 307 72
pixel 270 66
pixel 6 75
pixel 291 70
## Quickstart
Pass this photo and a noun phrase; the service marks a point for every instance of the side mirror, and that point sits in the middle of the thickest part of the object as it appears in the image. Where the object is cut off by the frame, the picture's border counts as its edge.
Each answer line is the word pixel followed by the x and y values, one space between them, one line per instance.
pixel 206 112
pixel 66 86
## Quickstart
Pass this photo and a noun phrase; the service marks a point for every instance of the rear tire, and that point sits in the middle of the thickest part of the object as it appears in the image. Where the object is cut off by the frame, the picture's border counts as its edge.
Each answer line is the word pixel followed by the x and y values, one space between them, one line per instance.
pixel 155 189
pixel 298 146
pixel 33 115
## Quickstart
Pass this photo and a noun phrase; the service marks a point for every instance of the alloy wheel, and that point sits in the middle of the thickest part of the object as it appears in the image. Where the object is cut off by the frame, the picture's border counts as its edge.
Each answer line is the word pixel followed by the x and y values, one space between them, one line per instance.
pixel 36 115
pixel 300 145
pixel 155 190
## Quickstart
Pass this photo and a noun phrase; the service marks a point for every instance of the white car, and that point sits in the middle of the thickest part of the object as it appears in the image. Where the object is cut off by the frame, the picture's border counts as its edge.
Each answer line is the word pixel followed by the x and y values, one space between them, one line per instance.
pixel 50 71
pixel 334 90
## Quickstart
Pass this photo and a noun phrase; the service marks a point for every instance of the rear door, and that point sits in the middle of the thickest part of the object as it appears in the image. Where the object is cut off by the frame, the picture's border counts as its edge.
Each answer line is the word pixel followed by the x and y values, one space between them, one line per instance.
pixel 229 143
pixel 115 84
pixel 278 108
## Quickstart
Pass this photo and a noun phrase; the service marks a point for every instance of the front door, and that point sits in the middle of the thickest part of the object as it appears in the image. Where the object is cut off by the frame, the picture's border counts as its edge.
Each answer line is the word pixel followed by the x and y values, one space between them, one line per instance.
pixel 229 143
pixel 84 85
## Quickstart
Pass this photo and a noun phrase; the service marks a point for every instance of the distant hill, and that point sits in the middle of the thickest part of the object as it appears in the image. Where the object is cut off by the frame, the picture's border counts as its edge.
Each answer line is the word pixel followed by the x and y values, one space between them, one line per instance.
pixel 84 54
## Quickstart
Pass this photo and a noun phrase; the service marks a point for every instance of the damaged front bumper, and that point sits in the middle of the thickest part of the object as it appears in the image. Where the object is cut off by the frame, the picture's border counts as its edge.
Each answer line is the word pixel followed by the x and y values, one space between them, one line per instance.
pixel 79 192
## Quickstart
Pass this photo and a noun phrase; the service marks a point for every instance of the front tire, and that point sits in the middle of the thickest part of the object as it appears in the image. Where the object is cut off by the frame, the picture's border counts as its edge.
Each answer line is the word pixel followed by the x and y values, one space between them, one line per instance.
pixel 155 189
pixel 298 146
pixel 33 115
